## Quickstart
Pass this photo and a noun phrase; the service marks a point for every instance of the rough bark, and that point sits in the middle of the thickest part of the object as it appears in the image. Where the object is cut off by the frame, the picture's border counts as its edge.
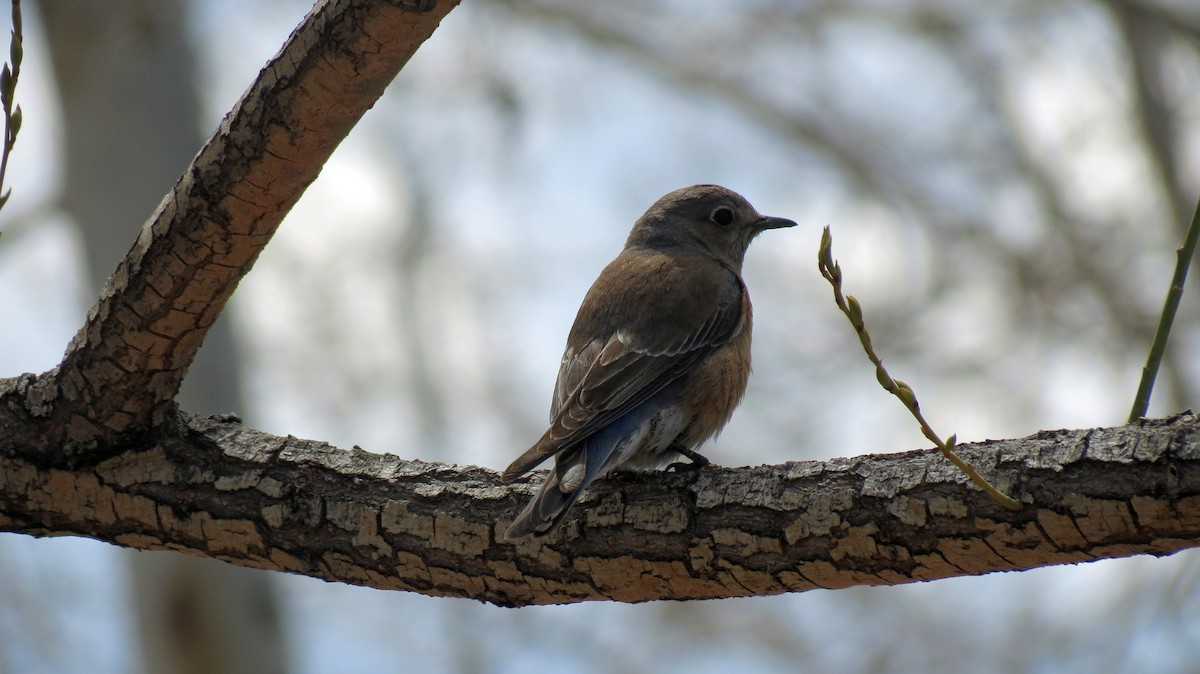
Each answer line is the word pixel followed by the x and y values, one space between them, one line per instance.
pixel 126 76
pixel 97 448
pixel 123 369
pixel 210 486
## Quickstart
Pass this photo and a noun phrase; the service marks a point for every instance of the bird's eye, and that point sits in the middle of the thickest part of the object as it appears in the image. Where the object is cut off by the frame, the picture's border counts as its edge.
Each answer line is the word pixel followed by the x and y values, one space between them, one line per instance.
pixel 722 215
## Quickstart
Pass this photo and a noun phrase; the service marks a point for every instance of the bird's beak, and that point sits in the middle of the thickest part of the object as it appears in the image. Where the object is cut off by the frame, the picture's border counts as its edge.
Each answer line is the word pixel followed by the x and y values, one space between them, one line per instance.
pixel 769 222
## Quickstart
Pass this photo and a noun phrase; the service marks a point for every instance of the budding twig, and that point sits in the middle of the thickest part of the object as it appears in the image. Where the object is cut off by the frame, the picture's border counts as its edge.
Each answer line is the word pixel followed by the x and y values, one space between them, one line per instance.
pixel 849 305
pixel 8 89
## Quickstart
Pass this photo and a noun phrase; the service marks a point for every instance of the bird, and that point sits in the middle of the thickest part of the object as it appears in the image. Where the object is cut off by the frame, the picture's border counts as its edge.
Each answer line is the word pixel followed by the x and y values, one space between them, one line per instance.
pixel 658 357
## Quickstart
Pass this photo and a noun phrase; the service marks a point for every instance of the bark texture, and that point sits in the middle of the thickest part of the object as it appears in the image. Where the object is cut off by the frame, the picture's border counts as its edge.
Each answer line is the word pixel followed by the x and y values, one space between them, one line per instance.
pixel 123 369
pixel 126 74
pixel 97 447
pixel 210 486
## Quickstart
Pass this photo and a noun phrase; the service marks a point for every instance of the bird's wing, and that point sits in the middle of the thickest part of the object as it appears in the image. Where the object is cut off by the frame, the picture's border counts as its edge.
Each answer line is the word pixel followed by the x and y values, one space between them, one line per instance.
pixel 608 377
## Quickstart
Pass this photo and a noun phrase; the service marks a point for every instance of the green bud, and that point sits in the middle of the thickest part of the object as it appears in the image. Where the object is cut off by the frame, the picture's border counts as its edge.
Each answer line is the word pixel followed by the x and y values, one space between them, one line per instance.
pixel 951 442
pixel 16 50
pixel 14 124
pixel 855 312
pixel 906 394
pixel 885 380
pixel 7 85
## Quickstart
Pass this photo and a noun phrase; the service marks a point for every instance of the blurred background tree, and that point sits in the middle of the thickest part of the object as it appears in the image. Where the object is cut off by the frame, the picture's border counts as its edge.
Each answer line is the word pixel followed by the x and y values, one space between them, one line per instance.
pixel 1006 183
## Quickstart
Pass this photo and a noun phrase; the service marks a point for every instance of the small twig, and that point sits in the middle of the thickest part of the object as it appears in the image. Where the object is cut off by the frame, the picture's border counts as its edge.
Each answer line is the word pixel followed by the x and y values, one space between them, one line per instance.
pixel 849 305
pixel 1183 260
pixel 8 88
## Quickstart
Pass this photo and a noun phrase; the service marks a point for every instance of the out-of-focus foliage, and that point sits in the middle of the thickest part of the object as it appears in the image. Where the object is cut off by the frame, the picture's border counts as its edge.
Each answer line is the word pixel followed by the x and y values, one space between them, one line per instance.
pixel 1007 182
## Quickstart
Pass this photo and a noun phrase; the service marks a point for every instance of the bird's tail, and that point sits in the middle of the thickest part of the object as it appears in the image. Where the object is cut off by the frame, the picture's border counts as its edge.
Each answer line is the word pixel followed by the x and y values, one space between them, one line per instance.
pixel 573 471
pixel 545 512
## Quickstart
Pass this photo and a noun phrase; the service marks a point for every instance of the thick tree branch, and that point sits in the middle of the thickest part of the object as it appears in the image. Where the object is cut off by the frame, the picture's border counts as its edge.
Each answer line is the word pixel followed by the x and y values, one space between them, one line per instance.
pixel 122 370
pixel 216 488
pixel 96 448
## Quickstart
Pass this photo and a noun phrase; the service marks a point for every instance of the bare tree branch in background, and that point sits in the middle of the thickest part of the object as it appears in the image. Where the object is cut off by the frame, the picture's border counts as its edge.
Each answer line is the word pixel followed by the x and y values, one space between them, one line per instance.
pixel 1146 37
pixel 1085 252
pixel 96 446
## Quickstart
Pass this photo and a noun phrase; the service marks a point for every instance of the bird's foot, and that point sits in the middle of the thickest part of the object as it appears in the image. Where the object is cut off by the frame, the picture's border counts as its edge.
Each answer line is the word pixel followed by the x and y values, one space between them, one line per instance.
pixel 696 461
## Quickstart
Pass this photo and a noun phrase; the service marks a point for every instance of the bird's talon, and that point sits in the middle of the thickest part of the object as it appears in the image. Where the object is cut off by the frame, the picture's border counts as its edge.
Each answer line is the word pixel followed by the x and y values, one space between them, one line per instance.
pixel 697 459
pixel 685 466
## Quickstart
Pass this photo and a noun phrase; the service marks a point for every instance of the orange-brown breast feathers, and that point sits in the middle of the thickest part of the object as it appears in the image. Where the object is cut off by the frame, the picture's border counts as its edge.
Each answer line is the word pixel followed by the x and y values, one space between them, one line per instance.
pixel 716 386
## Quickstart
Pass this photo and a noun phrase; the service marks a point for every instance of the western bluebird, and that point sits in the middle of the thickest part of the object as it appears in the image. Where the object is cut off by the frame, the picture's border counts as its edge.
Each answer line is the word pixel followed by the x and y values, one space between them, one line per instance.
pixel 659 354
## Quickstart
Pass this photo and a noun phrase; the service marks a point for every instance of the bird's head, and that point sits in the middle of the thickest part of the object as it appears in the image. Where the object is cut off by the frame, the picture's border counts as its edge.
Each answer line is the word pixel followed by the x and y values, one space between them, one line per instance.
pixel 704 220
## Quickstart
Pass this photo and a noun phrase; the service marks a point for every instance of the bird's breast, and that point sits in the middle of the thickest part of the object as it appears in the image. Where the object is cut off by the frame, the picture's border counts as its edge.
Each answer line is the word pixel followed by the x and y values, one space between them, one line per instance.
pixel 715 388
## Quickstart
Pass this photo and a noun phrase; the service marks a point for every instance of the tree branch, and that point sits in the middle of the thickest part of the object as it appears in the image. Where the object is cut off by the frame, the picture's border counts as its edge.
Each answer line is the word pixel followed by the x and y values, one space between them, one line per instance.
pixel 122 370
pixel 96 447
pixel 213 487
